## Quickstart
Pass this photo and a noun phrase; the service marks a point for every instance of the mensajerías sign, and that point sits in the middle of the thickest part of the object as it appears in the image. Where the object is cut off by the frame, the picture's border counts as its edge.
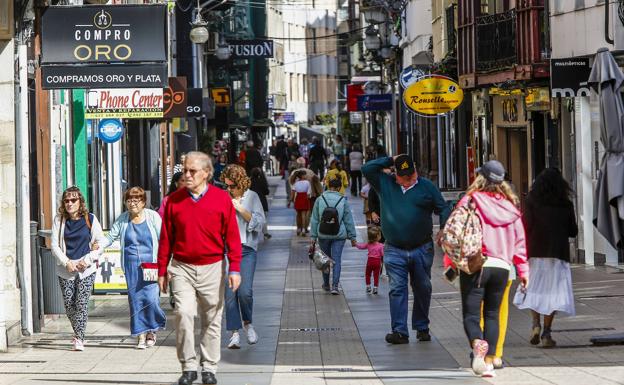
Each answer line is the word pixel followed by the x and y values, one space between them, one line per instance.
pixel 433 95
pixel 138 103
pixel 104 34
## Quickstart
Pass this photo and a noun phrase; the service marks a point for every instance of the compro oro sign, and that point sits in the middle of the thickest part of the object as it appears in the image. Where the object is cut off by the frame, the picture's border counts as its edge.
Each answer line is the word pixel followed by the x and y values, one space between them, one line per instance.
pixel 433 95
pixel 137 103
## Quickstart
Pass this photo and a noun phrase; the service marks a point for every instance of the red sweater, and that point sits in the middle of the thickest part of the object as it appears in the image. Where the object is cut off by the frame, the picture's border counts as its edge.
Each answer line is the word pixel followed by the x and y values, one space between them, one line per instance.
pixel 199 233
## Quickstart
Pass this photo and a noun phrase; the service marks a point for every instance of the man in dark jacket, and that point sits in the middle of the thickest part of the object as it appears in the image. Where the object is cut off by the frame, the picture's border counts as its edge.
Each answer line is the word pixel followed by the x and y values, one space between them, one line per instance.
pixel 318 158
pixel 408 203
pixel 253 159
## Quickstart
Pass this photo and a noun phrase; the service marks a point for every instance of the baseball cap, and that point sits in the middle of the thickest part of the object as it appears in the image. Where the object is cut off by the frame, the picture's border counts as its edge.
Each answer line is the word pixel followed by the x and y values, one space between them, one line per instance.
pixel 404 165
pixel 493 171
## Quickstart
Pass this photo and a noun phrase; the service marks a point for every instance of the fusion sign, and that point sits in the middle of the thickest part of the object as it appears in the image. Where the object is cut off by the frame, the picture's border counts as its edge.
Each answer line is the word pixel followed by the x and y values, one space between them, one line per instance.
pixel 433 95
pixel 137 103
pixel 251 48
pixel 103 34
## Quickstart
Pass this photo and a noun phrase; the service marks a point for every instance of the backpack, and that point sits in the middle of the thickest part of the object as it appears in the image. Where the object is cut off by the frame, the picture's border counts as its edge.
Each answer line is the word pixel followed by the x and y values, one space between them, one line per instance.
pixel 462 238
pixel 330 219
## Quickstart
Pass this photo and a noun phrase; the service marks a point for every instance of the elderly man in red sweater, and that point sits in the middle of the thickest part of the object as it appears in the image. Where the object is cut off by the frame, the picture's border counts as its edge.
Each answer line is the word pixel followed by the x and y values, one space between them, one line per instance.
pixel 199 228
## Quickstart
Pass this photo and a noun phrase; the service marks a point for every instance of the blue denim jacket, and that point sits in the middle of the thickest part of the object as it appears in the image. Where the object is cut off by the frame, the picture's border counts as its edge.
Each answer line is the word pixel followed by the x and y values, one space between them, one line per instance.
pixel 118 232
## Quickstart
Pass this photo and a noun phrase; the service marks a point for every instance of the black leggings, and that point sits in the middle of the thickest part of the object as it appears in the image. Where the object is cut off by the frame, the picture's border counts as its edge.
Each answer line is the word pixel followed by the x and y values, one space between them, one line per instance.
pixel 487 286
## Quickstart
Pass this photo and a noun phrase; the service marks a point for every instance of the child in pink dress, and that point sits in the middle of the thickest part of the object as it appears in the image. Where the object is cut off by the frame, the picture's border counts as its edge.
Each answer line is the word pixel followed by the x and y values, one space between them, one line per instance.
pixel 375 257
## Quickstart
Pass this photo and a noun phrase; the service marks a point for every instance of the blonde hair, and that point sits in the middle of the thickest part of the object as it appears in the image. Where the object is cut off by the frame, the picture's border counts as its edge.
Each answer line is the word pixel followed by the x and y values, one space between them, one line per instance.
pixel 374 234
pixel 483 185
pixel 236 174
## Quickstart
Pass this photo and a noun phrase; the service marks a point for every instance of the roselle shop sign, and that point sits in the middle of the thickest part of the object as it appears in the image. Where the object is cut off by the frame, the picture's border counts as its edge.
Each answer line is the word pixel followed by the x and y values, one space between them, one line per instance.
pixel 251 48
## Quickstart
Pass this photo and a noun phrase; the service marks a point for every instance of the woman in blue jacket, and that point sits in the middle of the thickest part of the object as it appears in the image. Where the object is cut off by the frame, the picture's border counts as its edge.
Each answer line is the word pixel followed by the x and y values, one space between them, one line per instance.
pixel 332 244
pixel 138 231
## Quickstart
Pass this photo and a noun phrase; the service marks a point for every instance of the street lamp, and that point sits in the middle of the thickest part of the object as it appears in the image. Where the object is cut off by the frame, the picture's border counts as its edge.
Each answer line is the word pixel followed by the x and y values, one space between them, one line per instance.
pixel 372 40
pixel 223 50
pixel 199 33
pixel 374 15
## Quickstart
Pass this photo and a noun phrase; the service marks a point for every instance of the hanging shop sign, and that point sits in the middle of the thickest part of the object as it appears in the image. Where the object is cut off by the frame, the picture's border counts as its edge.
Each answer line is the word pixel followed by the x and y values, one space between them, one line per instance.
pixel 104 76
pixel 410 75
pixel 381 102
pixel 251 48
pixel 356 117
pixel 104 34
pixel 537 99
pixel 353 91
pixel 433 95
pixel 174 98
pixel 568 77
pixel 110 130
pixel 196 104
pixel 284 117
pixel 137 103
pixel 221 96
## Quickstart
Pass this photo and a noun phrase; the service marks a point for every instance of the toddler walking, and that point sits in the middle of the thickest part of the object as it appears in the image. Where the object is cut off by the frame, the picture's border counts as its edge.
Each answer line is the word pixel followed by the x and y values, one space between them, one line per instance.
pixel 375 257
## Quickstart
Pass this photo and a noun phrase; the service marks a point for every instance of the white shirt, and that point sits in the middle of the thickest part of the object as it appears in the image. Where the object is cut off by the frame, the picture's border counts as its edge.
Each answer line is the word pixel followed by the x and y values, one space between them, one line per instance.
pixel 356 159
pixel 406 189
pixel 302 186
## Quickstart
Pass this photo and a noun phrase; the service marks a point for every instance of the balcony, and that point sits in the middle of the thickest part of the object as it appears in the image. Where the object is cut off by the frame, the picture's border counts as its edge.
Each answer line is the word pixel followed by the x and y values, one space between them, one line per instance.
pixel 496 41
pixel 503 46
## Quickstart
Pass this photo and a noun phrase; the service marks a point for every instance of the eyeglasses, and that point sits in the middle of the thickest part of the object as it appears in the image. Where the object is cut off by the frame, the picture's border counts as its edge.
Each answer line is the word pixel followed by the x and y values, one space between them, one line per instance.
pixel 231 186
pixel 134 201
pixel 70 200
pixel 191 171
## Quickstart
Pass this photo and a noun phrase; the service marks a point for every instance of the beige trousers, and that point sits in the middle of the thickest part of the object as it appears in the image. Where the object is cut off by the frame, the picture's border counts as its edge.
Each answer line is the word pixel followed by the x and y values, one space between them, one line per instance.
pixel 194 285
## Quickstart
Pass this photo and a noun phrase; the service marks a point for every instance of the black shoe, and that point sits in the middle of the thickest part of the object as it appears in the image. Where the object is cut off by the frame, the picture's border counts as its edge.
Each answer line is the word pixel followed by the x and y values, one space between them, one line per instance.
pixel 396 338
pixel 187 378
pixel 208 378
pixel 423 335
pixel 267 236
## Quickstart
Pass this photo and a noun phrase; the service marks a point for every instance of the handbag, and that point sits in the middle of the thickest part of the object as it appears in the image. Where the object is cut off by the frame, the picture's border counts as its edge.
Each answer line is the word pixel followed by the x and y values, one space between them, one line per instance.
pixel 150 271
pixel 321 260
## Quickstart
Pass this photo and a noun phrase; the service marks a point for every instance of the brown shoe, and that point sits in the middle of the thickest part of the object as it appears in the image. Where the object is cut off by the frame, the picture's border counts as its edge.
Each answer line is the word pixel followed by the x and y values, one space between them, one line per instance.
pixel 535 335
pixel 548 342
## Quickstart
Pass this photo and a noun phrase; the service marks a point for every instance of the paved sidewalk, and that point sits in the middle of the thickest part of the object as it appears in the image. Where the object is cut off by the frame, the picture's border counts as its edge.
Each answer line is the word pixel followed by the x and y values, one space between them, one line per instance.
pixel 310 337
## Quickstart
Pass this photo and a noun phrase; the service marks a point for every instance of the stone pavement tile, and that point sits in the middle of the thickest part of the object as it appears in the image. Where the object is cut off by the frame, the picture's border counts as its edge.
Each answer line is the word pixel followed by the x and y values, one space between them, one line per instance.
pixel 407 377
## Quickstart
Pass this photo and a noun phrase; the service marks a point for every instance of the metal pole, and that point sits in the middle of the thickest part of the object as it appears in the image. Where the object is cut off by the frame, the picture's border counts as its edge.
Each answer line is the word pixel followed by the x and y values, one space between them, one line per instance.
pixel 447 149
pixel 22 171
pixel 36 282
pixel 440 152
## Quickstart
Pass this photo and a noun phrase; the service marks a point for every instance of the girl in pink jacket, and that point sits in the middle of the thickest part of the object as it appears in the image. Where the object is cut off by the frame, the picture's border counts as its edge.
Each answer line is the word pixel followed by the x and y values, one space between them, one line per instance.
pixel 504 245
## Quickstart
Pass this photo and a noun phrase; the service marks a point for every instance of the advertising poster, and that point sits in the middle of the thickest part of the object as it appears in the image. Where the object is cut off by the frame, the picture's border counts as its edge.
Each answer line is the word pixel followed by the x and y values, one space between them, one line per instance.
pixel 137 103
pixel 109 276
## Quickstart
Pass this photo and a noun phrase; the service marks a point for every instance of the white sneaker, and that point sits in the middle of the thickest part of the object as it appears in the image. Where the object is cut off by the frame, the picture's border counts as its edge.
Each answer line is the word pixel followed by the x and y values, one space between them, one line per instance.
pixel 78 345
pixel 489 371
pixel 234 341
pixel 141 342
pixel 252 336
pixel 150 339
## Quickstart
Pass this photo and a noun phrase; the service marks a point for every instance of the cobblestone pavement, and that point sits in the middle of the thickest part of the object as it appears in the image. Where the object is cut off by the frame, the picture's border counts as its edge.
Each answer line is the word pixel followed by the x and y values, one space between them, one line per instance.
pixel 310 337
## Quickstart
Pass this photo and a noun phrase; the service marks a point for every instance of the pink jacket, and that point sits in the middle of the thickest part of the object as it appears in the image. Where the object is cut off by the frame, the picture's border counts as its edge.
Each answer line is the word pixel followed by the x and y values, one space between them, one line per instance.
pixel 503 231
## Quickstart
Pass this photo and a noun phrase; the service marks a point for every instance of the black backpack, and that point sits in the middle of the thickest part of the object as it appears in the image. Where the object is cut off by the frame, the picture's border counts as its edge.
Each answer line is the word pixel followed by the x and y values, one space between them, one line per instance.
pixel 330 219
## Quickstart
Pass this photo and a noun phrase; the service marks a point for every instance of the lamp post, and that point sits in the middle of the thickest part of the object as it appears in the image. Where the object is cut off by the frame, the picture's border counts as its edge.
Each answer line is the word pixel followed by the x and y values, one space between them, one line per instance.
pixel 372 40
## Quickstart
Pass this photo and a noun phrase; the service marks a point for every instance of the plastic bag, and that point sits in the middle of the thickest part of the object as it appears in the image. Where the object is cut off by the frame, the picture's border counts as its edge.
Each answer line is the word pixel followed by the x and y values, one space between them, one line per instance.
pixel 321 260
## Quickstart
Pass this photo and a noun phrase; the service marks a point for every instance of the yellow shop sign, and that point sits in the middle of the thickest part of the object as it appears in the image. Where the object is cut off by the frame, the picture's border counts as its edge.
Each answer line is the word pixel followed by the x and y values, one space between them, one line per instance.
pixel 433 95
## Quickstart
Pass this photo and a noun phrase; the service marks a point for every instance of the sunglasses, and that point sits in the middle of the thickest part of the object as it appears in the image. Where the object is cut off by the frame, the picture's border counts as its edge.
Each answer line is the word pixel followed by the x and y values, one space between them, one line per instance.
pixel 70 200
pixel 231 186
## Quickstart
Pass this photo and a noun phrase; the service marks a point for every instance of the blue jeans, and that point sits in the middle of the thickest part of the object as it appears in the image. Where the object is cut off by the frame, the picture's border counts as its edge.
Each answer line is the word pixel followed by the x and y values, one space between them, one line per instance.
pixel 240 302
pixel 415 264
pixel 333 249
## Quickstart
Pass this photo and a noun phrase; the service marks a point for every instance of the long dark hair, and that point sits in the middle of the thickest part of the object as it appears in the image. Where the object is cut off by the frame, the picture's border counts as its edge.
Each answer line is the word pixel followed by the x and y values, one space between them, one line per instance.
pixel 174 180
pixel 551 188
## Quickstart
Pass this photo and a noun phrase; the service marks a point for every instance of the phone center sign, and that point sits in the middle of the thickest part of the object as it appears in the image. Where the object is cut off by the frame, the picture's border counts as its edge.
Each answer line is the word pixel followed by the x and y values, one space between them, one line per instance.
pixel 124 103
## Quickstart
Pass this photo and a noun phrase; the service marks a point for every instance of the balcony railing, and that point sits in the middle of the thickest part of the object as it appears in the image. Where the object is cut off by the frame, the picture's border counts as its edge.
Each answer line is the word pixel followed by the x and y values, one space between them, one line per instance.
pixel 496 41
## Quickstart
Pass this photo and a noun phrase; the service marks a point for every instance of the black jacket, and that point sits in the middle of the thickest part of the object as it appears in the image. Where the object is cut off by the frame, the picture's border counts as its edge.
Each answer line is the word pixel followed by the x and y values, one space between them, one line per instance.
pixel 261 187
pixel 548 228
